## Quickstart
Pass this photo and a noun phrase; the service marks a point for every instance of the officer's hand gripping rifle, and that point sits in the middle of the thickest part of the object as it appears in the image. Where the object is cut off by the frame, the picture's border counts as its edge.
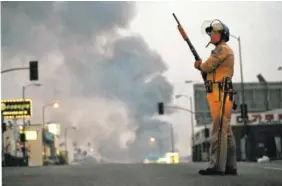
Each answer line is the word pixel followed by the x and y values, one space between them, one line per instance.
pixel 193 50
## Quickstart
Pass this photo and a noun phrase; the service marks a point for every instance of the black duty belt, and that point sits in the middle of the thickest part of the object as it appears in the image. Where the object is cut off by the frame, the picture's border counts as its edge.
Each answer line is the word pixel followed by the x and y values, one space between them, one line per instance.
pixel 224 85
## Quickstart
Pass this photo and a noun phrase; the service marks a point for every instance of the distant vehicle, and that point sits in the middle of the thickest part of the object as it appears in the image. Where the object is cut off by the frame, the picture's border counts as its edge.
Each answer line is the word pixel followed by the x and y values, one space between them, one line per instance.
pixel 168 158
pixel 57 160
pixel 162 160
pixel 152 158
pixel 146 161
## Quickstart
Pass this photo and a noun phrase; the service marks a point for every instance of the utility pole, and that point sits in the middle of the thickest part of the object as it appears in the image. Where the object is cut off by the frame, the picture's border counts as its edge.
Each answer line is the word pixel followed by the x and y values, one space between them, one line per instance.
pixel 66 143
pixel 191 116
pixel 25 157
pixel 172 138
pixel 24 150
pixel 244 108
pixel 161 112
pixel 245 116
pixel 192 127
pixel 3 130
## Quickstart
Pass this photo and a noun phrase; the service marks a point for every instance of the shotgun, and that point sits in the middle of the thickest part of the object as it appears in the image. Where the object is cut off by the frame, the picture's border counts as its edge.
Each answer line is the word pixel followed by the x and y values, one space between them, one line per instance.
pixel 192 48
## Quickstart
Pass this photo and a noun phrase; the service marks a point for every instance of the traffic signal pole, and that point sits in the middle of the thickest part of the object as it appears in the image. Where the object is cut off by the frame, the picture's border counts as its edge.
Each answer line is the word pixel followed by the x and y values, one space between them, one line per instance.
pixel 161 112
pixel 33 70
pixel 14 69
pixel 33 76
pixel 3 148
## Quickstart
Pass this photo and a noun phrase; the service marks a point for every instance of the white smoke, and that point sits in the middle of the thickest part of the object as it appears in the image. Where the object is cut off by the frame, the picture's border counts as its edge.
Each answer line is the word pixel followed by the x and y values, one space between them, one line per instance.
pixel 97 75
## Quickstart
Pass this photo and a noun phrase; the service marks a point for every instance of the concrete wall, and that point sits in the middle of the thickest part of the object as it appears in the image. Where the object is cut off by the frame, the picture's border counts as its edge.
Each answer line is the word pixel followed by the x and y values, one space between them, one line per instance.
pixel 36 146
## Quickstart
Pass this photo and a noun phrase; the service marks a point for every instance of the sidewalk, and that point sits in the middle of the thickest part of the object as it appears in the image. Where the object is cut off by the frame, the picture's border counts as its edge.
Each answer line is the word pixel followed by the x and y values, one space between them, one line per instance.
pixel 276 162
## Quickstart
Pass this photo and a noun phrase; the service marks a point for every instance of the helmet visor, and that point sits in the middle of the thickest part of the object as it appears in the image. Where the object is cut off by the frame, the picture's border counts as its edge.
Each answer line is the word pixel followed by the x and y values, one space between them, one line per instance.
pixel 212 26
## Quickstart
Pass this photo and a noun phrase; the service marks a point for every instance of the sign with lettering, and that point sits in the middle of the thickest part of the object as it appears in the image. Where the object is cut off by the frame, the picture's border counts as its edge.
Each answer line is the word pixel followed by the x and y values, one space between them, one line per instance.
pixel 16 108
pixel 258 118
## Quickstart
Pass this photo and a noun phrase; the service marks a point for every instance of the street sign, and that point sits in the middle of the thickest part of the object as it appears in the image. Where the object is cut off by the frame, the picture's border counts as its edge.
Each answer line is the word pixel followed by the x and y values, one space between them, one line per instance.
pixel 17 108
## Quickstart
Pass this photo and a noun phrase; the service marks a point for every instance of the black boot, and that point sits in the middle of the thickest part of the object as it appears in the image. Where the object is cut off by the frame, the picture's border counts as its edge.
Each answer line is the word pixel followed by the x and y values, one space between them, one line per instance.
pixel 211 171
pixel 229 171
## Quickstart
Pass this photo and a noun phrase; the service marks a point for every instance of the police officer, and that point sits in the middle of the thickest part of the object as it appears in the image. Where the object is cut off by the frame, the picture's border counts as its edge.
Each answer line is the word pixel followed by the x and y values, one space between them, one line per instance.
pixel 219 65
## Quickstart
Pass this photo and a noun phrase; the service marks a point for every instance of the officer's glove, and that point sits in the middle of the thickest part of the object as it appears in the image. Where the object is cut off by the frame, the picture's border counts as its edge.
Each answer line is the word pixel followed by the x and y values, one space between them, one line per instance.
pixel 197 64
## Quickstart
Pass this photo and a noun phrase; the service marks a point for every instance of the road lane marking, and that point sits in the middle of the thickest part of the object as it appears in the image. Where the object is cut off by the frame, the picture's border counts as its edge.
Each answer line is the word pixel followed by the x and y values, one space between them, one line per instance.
pixel 273 168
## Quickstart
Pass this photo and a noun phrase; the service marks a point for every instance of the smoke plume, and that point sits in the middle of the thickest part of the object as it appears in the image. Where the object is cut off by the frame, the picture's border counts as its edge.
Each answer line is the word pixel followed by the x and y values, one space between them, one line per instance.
pixel 107 84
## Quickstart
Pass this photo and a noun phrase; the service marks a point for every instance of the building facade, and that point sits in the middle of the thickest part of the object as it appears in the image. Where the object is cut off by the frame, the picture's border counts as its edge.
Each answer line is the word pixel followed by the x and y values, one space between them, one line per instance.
pixel 35 145
pixel 41 143
pixel 258 96
pixel 265 132
pixel 264 127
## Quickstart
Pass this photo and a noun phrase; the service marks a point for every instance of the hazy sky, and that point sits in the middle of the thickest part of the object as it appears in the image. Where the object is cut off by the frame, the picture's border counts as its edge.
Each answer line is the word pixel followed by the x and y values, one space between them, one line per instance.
pixel 83 59
pixel 257 23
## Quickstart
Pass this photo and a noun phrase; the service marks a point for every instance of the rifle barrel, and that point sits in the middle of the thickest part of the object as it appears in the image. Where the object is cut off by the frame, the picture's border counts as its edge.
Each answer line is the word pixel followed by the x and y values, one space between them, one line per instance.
pixel 176 19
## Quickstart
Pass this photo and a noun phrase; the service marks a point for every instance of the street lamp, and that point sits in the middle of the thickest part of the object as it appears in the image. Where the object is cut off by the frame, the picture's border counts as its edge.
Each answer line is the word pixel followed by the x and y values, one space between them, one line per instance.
pixel 24 125
pixel 29 85
pixel 156 144
pixel 152 139
pixel 191 81
pixel 54 105
pixel 191 108
pixel 241 70
pixel 161 112
pixel 23 95
pixel 192 120
pixel 66 142
pixel 245 120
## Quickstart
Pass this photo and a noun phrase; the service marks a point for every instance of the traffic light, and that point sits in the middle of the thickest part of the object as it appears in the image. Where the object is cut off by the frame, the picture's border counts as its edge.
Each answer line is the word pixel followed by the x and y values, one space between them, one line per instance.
pixel 207 133
pixel 161 108
pixel 244 111
pixel 22 137
pixel 33 70
pixel 4 127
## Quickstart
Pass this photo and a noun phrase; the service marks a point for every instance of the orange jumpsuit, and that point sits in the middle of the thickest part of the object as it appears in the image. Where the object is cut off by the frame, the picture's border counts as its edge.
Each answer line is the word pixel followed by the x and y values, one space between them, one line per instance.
pixel 223 148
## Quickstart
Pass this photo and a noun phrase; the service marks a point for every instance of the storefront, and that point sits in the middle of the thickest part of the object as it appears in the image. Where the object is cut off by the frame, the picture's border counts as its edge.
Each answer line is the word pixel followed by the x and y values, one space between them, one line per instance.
pixel 53 138
pixel 202 144
pixel 48 143
pixel 264 137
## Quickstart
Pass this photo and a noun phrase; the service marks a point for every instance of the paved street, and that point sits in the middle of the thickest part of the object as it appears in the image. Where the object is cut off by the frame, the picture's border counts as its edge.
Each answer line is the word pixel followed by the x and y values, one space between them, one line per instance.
pixel 251 174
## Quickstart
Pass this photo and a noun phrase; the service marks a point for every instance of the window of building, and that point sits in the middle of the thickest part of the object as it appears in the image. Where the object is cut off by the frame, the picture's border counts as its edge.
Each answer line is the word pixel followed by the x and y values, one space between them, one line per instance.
pixel 200 101
pixel 197 136
pixel 275 98
pixel 260 97
pixel 238 96
pixel 207 116
pixel 249 99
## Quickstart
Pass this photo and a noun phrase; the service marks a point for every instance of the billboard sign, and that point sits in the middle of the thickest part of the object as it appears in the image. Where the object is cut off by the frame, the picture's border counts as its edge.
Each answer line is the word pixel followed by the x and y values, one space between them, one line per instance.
pixel 271 117
pixel 17 108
